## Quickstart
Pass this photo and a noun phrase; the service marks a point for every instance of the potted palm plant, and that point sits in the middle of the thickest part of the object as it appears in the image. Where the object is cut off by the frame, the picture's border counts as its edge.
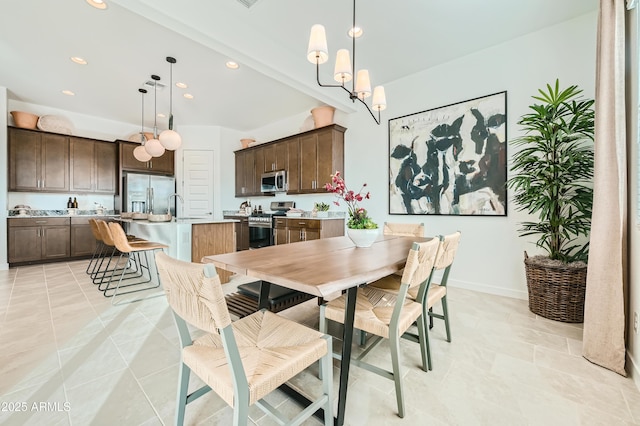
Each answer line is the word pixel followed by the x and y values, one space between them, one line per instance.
pixel 553 180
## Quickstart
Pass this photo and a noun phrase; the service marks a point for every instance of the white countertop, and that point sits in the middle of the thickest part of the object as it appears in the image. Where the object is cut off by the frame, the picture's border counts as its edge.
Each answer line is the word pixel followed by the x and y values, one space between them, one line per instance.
pixel 178 220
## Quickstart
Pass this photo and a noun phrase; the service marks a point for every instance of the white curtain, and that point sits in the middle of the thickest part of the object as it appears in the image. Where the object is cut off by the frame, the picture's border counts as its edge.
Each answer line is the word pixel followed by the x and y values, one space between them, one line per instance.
pixel 604 319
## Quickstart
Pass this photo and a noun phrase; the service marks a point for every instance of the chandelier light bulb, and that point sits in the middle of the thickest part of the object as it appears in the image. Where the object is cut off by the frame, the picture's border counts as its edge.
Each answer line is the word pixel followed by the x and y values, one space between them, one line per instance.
pixel 363 84
pixel 154 147
pixel 170 139
pixel 342 72
pixel 317 45
pixel 379 101
pixel 141 154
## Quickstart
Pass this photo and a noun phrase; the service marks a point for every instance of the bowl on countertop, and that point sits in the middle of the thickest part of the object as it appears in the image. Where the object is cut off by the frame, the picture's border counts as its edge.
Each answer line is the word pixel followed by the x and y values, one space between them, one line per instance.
pixel 139 216
pixel 159 217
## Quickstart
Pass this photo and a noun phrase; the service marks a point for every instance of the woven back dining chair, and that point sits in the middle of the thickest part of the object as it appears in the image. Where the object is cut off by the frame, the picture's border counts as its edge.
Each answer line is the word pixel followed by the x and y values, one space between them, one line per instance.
pixel 388 316
pixel 243 361
pixel 430 293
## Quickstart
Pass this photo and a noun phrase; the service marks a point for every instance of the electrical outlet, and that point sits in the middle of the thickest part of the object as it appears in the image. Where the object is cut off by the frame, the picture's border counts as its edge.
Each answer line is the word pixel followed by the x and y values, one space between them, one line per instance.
pixel 635 322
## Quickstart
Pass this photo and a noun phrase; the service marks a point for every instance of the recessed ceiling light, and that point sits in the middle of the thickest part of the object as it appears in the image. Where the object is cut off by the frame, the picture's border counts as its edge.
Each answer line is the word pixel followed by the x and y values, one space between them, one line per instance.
pixel 68 93
pixel 79 60
pixel 232 65
pixel 355 32
pixel 188 95
pixel 98 4
pixel 181 85
pixel 161 115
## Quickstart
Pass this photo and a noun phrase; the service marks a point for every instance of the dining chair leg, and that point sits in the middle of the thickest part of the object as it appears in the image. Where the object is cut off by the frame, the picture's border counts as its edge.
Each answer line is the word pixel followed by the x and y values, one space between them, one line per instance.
pixel 326 363
pixel 423 341
pixel 183 389
pixel 394 343
pixel 430 318
pixel 445 314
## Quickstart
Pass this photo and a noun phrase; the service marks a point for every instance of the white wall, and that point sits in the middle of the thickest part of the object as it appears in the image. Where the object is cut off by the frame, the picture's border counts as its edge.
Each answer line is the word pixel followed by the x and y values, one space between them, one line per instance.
pixel 491 254
pixel 3 179
pixel 633 339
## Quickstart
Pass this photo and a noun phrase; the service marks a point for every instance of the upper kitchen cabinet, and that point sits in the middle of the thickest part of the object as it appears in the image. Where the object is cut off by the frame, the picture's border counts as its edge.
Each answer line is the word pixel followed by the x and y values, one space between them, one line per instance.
pixel 94 166
pixel 275 157
pixel 321 154
pixel 38 161
pixel 162 165
pixel 246 173
pixel 309 159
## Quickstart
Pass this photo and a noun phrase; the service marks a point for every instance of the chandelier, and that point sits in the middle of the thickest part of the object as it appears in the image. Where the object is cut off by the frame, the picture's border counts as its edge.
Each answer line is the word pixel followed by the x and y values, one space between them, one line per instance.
pixel 170 139
pixel 343 72
pixel 140 153
pixel 153 146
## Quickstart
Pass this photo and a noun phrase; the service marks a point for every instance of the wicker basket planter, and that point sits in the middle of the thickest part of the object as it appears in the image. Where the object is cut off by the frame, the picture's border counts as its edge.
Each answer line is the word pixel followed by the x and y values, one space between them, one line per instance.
pixel 556 292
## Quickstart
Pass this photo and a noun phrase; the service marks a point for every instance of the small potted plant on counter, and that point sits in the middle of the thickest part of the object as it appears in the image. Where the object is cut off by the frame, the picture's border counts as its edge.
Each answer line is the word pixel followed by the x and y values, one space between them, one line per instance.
pixel 322 209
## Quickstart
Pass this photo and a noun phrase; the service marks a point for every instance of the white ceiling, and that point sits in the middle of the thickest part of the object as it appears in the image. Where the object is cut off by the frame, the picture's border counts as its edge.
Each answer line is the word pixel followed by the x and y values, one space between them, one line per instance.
pixel 129 41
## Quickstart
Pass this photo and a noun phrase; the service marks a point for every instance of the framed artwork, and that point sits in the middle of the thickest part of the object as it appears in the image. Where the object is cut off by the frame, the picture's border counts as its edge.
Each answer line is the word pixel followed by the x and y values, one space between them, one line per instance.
pixel 450 160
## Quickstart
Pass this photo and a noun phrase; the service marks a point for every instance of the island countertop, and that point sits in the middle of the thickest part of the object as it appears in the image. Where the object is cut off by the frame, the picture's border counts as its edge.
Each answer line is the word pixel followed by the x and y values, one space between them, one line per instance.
pixel 180 220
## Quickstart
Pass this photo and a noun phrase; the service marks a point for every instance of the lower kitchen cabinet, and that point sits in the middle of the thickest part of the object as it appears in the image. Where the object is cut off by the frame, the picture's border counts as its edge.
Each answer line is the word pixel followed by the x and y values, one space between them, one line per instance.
pixel 38 239
pixel 292 230
pixel 242 232
pixel 43 239
pixel 83 243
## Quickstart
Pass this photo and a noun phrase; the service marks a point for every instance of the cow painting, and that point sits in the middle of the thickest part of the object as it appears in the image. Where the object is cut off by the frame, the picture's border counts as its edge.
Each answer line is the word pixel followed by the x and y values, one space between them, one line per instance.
pixel 450 160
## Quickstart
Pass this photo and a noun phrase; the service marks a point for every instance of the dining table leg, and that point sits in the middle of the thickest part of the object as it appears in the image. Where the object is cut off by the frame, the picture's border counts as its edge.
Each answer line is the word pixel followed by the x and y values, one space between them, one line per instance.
pixel 263 300
pixel 345 362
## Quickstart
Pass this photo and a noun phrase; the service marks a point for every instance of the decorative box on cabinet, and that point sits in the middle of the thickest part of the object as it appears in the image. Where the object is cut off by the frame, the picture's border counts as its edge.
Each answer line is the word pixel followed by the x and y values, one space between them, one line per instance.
pixel 38 161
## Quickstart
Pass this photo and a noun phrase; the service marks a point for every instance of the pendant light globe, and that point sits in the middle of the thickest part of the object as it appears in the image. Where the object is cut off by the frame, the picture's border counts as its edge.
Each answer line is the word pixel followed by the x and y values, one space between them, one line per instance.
pixel 170 139
pixel 141 154
pixel 154 148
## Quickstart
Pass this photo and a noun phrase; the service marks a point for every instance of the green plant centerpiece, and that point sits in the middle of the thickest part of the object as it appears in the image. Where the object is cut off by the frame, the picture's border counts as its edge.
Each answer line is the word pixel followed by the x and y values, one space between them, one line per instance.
pixel 359 219
pixel 553 175
pixel 321 207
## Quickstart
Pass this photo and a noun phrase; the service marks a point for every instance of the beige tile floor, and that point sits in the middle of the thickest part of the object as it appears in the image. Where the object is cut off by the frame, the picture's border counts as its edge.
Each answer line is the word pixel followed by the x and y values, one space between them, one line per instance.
pixel 67 356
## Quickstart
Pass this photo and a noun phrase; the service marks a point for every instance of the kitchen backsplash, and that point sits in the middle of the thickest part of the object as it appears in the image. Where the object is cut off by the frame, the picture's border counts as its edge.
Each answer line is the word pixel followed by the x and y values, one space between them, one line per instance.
pixel 54 202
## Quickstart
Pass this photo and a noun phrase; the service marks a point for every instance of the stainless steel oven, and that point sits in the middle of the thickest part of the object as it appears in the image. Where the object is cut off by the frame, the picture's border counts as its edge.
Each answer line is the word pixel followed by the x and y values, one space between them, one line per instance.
pixel 260 231
pixel 261 224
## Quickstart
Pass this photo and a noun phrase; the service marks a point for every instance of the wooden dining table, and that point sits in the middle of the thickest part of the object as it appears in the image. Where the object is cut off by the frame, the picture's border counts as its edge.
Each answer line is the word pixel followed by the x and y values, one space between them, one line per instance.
pixel 323 268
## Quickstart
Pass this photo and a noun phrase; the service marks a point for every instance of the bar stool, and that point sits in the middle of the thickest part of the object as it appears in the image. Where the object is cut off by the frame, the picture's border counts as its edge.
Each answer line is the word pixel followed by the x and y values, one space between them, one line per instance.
pixel 103 276
pixel 133 253
pixel 99 249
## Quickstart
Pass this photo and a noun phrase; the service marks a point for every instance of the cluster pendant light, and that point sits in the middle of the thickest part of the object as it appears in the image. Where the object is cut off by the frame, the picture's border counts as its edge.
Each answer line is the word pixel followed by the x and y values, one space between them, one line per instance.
pixel 317 53
pixel 140 153
pixel 153 146
pixel 170 139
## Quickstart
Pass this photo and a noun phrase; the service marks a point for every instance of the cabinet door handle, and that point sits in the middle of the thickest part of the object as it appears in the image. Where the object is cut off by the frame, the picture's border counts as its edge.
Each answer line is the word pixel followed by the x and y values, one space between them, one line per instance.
pixel 41 221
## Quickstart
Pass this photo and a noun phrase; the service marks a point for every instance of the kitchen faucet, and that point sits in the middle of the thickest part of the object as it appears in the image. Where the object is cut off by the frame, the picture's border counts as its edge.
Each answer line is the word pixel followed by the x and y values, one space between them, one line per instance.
pixel 169 203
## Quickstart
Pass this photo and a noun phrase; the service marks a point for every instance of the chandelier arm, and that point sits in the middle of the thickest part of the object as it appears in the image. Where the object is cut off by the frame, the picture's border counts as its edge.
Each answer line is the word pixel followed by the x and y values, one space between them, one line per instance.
pixel 377 120
pixel 353 50
pixel 326 85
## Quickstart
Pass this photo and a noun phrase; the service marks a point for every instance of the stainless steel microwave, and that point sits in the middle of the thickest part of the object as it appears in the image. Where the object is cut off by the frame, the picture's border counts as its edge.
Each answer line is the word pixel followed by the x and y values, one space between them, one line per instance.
pixel 274 181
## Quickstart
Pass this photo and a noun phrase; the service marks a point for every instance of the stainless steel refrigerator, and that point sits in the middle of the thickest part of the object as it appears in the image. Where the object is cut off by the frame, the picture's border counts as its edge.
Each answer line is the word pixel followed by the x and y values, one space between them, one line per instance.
pixel 148 193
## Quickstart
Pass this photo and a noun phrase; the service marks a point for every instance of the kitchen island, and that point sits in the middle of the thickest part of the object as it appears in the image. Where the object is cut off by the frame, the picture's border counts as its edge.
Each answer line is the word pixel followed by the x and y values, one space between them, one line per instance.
pixel 189 239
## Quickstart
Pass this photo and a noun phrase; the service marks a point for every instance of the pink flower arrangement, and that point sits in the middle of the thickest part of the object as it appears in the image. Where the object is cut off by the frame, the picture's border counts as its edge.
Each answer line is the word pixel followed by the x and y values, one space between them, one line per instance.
pixel 358 217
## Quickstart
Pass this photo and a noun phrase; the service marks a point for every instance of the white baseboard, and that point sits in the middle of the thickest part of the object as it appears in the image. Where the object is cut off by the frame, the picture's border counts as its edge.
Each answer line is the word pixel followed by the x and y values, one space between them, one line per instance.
pixel 634 369
pixel 484 288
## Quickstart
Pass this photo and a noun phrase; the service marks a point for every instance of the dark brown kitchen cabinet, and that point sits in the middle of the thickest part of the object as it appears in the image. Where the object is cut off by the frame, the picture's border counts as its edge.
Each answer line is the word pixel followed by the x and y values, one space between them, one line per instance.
pixel 38 161
pixel 246 173
pixel 309 159
pixel 162 165
pixel 83 243
pixel 275 156
pixel 321 154
pixel 292 230
pixel 93 166
pixel 38 239
pixel 242 232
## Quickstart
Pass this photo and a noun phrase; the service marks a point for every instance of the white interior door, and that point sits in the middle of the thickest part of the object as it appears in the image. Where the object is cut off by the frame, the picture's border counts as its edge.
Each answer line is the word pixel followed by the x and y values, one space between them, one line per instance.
pixel 197 183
